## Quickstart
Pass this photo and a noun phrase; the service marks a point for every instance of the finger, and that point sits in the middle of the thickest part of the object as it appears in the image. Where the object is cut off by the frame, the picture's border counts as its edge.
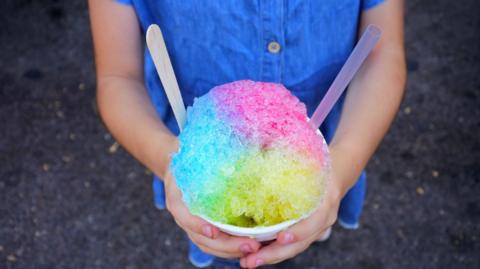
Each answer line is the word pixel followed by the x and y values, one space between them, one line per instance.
pixel 238 246
pixel 243 262
pixel 301 230
pixel 318 221
pixel 211 251
pixel 194 224
pixel 185 219
pixel 217 253
pixel 273 253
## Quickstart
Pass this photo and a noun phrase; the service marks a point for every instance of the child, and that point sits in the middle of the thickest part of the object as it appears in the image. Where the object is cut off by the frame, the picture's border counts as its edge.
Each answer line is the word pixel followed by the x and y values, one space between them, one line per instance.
pixel 301 44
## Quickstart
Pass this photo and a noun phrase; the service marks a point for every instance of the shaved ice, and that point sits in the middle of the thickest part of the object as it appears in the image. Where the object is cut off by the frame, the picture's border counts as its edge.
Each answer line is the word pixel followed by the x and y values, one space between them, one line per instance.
pixel 248 156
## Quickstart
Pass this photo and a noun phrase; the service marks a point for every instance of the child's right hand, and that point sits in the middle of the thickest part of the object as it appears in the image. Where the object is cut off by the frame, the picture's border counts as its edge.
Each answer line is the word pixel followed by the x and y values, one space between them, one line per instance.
pixel 206 236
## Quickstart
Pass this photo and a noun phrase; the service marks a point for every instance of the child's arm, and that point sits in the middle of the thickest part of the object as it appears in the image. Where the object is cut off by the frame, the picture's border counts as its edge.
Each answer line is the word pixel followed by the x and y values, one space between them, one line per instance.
pixel 128 113
pixel 123 102
pixel 373 99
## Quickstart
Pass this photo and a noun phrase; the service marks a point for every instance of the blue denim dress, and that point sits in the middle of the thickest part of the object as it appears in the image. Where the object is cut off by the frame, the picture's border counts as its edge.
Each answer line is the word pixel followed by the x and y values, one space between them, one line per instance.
pixel 299 43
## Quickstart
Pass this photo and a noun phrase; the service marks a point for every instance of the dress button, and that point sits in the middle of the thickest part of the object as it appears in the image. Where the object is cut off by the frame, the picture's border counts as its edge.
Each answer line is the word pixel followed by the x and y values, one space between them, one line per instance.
pixel 273 47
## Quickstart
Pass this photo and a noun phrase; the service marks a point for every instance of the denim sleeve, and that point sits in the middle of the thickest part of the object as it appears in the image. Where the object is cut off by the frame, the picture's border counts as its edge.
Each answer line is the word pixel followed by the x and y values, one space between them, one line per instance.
pixel 125 2
pixel 367 4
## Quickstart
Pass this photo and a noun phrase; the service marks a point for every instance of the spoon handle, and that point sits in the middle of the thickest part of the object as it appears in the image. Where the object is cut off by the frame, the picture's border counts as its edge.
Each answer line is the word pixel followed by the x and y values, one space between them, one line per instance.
pixel 159 53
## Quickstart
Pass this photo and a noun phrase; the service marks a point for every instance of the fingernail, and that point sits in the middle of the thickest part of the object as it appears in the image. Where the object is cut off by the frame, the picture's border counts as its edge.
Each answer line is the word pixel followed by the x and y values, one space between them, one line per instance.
pixel 288 238
pixel 258 262
pixel 207 231
pixel 245 248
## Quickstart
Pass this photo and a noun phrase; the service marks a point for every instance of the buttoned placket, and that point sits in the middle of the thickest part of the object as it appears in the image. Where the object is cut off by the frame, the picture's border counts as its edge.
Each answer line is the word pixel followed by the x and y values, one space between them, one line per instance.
pixel 273 42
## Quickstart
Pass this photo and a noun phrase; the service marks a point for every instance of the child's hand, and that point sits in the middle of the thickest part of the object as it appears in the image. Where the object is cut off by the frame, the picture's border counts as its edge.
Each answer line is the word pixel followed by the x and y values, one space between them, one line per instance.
pixel 203 234
pixel 297 238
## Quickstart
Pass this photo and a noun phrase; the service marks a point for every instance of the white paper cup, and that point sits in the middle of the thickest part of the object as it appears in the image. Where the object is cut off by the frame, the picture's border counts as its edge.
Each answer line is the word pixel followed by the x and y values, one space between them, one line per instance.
pixel 258 233
pixel 267 233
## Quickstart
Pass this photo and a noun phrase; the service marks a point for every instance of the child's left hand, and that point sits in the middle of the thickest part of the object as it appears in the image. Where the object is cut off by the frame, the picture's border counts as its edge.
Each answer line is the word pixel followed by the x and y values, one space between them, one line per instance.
pixel 297 238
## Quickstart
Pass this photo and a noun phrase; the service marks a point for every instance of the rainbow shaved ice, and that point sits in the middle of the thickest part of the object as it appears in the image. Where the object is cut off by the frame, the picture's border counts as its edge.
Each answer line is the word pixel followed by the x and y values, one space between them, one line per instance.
pixel 248 156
